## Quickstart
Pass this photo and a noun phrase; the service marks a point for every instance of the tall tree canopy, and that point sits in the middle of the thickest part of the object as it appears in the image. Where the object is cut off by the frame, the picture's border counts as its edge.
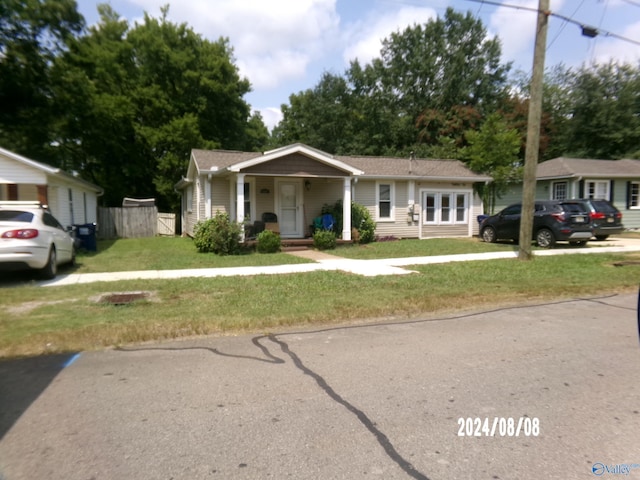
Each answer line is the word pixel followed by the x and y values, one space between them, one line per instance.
pixel 447 65
pixel 32 34
pixel 121 104
pixel 148 95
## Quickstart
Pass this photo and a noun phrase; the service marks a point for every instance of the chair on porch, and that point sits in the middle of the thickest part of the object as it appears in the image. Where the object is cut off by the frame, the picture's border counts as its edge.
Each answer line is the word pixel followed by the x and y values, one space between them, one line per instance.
pixel 269 221
pixel 322 222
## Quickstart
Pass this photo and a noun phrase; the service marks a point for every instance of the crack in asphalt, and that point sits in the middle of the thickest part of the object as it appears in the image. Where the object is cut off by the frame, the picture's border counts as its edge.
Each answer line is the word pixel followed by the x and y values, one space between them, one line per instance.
pixel 381 438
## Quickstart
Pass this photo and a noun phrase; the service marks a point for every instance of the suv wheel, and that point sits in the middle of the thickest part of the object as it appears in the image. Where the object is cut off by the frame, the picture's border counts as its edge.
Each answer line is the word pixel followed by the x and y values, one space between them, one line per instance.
pixel 602 237
pixel 545 238
pixel 489 234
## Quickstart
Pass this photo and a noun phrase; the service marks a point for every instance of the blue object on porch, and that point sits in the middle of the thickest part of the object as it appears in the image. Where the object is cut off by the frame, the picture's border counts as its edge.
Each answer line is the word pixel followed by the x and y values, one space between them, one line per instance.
pixel 327 221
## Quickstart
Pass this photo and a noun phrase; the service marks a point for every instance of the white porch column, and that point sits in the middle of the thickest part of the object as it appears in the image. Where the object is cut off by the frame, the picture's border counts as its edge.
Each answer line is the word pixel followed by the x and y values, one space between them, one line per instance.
pixel 240 198
pixel 207 197
pixel 346 210
pixel 240 203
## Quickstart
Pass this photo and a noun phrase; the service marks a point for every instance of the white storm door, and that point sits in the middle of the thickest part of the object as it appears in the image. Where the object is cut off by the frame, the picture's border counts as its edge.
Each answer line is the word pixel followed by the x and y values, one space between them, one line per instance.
pixel 289 211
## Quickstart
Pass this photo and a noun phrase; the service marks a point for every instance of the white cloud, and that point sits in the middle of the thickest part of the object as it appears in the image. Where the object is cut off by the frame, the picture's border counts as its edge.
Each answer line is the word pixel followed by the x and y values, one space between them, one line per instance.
pixel 364 39
pixel 273 41
pixel 608 48
pixel 271 116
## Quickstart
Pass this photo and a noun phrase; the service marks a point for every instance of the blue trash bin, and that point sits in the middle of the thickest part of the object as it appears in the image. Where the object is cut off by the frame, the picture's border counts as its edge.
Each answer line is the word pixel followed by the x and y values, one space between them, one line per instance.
pixel 86 233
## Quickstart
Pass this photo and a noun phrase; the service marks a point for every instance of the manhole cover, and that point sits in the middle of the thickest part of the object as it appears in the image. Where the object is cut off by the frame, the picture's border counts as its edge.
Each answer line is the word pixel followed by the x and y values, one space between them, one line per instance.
pixel 123 298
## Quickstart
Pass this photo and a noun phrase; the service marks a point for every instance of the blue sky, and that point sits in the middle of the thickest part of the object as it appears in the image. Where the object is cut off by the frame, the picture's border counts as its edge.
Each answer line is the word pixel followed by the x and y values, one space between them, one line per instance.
pixel 284 46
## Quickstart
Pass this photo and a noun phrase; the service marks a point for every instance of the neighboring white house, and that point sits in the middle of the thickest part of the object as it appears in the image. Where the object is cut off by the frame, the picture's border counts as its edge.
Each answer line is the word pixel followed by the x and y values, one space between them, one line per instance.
pixel 406 197
pixel 565 178
pixel 71 200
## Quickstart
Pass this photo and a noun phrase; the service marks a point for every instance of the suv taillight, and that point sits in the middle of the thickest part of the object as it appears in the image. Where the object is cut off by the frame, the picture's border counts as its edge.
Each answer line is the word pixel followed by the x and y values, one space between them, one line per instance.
pixel 23 233
pixel 619 215
pixel 559 216
pixel 596 215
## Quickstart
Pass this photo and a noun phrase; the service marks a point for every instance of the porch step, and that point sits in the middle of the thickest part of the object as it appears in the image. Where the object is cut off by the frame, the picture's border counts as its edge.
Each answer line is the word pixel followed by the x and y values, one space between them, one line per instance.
pixel 293 248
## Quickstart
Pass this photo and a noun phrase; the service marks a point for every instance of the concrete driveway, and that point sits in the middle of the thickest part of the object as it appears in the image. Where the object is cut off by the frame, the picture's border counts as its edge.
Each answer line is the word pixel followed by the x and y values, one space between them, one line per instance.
pixel 356 402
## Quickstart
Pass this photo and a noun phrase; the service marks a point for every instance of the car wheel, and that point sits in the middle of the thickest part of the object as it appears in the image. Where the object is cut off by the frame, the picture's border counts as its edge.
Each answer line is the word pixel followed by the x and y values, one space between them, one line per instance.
pixel 489 234
pixel 578 243
pixel 545 238
pixel 51 268
pixel 601 237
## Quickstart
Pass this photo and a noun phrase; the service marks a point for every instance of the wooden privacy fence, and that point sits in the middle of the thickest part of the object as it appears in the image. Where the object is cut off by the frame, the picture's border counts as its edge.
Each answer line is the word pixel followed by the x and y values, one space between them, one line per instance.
pixel 134 222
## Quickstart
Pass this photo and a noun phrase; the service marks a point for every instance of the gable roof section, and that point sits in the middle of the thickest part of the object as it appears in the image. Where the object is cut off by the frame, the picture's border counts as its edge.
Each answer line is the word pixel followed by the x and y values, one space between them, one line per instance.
pixel 581 167
pixel 48 169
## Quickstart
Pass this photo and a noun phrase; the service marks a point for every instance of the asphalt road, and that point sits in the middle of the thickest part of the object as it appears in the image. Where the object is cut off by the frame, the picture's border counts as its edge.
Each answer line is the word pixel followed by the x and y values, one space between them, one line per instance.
pixel 358 402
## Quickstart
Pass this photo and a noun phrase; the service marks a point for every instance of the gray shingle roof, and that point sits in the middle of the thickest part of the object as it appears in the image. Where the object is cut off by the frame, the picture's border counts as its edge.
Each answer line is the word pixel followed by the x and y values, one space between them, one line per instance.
pixel 387 167
pixel 205 159
pixel 582 167
pixel 403 167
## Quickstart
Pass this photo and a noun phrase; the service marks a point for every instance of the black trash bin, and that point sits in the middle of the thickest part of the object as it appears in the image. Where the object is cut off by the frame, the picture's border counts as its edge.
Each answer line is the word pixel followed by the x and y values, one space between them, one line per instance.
pixel 86 234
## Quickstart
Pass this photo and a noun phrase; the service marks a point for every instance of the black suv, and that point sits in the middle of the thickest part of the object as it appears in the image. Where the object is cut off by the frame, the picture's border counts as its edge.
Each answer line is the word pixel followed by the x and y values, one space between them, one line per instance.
pixel 553 221
pixel 606 219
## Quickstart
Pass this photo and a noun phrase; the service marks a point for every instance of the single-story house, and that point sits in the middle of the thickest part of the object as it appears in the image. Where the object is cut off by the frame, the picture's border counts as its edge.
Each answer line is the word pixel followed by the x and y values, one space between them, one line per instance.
pixel 406 197
pixel 565 178
pixel 71 200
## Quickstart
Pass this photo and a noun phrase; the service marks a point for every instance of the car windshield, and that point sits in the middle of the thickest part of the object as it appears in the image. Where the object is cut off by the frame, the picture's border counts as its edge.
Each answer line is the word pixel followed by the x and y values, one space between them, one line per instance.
pixel 15 216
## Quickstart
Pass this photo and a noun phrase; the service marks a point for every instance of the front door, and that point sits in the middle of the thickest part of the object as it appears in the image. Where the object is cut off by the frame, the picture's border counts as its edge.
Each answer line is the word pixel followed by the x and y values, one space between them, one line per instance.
pixel 288 208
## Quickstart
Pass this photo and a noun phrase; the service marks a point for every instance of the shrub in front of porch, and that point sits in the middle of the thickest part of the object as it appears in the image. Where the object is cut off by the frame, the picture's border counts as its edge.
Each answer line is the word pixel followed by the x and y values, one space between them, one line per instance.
pixel 324 240
pixel 360 220
pixel 218 235
pixel 268 242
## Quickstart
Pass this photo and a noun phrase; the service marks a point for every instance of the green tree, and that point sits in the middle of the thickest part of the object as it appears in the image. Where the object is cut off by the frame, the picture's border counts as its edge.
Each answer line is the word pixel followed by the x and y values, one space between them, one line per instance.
pixel 493 150
pixel 605 112
pixel 149 94
pixel 445 68
pixel 32 34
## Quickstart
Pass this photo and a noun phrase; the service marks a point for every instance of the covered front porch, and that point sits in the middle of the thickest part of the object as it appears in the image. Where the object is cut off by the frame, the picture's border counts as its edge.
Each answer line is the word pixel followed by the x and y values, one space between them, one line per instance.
pixel 283 190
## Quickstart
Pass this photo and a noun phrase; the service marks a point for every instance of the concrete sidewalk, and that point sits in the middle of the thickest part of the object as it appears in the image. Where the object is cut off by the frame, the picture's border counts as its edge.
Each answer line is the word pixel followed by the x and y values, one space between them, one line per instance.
pixel 326 262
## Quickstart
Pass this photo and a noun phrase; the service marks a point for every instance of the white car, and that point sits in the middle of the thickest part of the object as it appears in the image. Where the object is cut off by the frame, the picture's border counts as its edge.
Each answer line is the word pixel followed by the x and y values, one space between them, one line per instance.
pixel 31 238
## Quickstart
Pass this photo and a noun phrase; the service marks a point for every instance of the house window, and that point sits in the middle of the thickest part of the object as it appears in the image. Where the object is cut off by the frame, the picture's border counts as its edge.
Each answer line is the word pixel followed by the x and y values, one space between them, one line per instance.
pixel 445 208
pixel 634 195
pixel 189 199
pixel 559 191
pixel 385 201
pixel 597 189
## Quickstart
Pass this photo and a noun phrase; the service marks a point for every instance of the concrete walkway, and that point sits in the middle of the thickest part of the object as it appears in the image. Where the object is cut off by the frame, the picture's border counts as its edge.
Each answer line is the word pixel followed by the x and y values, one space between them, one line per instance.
pixel 327 262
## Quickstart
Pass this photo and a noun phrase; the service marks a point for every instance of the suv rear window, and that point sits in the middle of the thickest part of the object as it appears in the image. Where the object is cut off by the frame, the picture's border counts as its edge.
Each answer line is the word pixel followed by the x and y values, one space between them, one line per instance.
pixel 15 216
pixel 574 208
pixel 603 206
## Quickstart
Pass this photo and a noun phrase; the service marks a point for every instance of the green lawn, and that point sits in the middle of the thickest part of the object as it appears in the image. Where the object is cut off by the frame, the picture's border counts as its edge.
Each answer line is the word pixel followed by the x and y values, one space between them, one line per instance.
pixel 38 320
pixel 166 253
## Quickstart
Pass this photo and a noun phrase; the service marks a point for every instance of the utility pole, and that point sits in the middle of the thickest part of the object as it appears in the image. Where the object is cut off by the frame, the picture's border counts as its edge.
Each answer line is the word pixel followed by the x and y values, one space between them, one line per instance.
pixel 533 133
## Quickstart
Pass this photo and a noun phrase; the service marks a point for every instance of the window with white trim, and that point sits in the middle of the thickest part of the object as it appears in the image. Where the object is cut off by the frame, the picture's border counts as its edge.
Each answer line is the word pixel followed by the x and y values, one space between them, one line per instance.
pixel 385 199
pixel 634 195
pixel 596 189
pixel 559 190
pixel 445 208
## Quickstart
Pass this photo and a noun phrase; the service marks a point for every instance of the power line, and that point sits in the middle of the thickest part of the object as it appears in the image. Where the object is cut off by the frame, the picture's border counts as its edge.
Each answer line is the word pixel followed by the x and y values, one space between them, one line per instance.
pixel 587 30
